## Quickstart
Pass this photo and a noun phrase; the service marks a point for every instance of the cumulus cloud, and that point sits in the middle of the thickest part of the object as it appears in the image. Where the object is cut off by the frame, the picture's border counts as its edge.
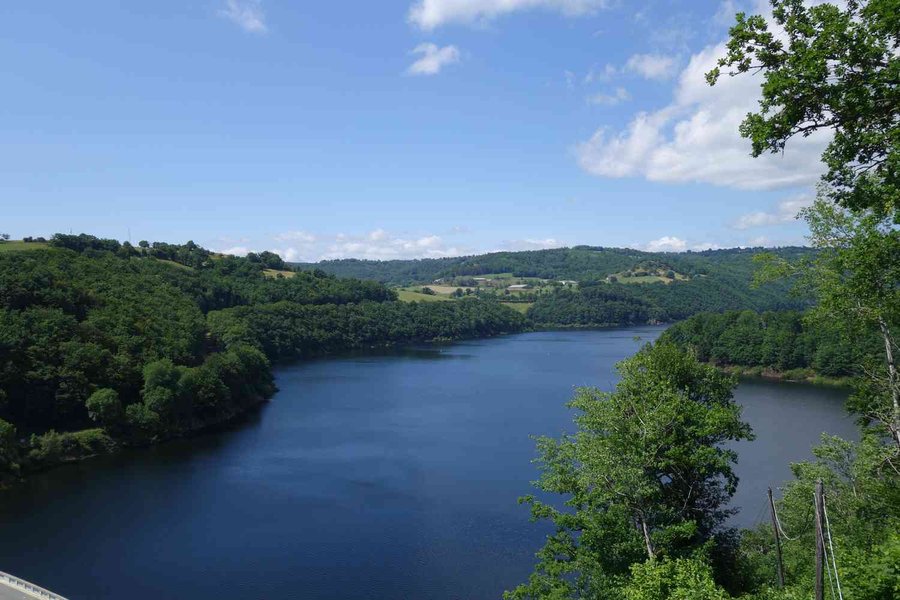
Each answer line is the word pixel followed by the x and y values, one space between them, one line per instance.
pixel 246 14
pixel 377 244
pixel 671 243
pixel 298 236
pixel 785 212
pixel 617 96
pixel 667 243
pixel 429 14
pixel 532 244
pixel 651 66
pixel 236 251
pixel 695 138
pixel 432 59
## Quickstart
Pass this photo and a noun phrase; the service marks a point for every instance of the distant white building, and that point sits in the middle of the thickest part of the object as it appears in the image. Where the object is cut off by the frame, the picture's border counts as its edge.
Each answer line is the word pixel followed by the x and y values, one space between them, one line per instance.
pixel 519 286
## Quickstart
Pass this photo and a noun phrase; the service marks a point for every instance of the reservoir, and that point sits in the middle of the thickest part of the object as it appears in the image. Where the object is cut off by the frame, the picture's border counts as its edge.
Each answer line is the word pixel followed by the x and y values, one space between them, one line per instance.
pixel 389 475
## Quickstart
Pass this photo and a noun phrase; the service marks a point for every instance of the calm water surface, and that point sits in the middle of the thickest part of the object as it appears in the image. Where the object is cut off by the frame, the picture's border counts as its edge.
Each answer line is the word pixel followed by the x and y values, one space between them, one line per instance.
pixel 380 476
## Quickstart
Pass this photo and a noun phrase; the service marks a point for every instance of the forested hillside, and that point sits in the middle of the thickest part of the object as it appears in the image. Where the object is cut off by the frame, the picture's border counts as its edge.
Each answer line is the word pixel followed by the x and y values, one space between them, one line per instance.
pixel 781 343
pixel 581 263
pixel 616 286
pixel 103 343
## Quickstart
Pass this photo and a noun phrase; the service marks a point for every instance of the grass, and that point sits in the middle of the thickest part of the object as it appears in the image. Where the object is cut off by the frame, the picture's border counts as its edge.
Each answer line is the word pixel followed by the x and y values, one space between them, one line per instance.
pixel 18 245
pixel 411 296
pixel 275 273
pixel 521 307
pixel 655 278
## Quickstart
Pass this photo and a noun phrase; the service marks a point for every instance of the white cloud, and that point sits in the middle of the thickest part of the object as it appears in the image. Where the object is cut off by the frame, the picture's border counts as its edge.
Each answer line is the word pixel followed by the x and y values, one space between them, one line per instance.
pixel 758 241
pixel 532 244
pixel 236 250
pixel 377 244
pixel 298 236
pixel 785 212
pixel 706 246
pixel 651 66
pixel 616 97
pixel 667 243
pixel 596 74
pixel 671 243
pixel 429 14
pixel 695 138
pixel 246 14
pixel 432 59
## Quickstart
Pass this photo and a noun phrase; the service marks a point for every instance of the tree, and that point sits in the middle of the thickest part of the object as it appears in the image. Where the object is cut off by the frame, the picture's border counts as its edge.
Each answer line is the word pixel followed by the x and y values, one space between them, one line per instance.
pixel 9 450
pixel 105 408
pixel 855 278
pixel 678 579
pixel 646 475
pixel 828 67
pixel 4 237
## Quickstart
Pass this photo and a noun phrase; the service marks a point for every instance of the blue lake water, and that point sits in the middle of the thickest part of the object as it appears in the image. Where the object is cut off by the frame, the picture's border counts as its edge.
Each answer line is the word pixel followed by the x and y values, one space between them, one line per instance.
pixel 387 475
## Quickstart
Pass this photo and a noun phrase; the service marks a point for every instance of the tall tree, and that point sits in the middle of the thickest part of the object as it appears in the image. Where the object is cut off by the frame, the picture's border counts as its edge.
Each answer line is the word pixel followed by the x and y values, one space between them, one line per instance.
pixel 828 67
pixel 646 476
pixel 856 280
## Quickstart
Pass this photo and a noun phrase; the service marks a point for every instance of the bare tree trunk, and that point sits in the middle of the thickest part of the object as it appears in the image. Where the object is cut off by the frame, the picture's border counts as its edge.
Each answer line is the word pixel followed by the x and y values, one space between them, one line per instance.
pixel 647 541
pixel 893 383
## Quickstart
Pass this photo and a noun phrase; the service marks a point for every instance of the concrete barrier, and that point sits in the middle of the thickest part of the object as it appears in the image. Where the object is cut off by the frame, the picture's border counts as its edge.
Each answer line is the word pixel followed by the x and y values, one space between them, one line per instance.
pixel 27 587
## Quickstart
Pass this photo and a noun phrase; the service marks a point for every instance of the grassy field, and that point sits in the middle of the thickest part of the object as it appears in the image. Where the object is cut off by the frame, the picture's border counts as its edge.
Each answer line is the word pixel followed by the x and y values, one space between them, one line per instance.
pixel 14 245
pixel 521 307
pixel 658 277
pixel 411 296
pixel 275 273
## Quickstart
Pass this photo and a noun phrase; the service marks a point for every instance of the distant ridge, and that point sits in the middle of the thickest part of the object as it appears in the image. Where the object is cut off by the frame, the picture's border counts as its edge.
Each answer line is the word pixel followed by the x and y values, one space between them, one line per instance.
pixel 583 263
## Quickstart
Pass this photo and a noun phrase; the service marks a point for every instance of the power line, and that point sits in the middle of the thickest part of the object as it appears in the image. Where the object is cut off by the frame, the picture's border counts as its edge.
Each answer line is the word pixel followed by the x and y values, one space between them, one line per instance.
pixel 778 522
pixel 831 546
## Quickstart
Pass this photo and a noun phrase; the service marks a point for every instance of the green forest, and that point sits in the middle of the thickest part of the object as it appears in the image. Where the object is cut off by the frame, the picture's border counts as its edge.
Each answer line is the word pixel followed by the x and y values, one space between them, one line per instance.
pixel 638 495
pixel 787 344
pixel 104 344
pixel 611 288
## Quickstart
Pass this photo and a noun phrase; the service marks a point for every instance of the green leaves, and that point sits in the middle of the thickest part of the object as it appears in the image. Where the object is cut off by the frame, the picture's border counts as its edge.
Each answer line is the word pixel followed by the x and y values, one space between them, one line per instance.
pixel 828 68
pixel 645 475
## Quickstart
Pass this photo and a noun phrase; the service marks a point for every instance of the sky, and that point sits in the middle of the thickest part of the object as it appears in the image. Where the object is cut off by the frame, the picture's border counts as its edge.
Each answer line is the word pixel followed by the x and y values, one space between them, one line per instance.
pixel 389 129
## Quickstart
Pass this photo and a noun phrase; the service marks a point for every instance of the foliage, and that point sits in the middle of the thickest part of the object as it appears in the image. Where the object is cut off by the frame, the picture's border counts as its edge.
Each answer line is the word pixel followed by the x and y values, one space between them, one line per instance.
pixel 580 263
pixel 9 451
pixel 94 332
pixel 645 476
pixel 286 330
pixel 51 448
pixel 673 579
pixel 828 67
pixel 105 408
pixel 782 341
pixel 862 499
pixel 855 277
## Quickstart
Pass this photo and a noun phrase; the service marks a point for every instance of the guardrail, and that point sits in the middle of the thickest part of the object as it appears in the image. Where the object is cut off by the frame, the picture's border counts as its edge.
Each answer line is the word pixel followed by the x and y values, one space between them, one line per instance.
pixel 27 587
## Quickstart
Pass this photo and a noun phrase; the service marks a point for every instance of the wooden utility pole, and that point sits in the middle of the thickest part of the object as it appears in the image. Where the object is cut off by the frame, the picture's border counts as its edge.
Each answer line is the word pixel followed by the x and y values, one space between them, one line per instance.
pixel 777 541
pixel 820 544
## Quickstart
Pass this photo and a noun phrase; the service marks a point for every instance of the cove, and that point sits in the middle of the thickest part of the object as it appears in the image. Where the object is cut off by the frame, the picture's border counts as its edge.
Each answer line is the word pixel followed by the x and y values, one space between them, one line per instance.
pixel 380 475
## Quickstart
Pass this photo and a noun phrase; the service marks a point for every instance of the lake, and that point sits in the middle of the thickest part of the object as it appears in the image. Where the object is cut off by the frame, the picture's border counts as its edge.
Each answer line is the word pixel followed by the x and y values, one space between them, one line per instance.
pixel 381 475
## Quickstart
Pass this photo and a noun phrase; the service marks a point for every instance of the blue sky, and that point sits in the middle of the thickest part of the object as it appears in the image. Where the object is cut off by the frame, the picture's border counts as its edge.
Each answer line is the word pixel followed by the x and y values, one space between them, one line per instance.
pixel 387 129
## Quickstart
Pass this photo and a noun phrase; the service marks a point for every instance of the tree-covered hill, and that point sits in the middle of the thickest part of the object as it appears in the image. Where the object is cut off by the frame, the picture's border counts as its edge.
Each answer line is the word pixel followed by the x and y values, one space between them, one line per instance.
pixel 581 263
pixel 782 343
pixel 614 286
pixel 103 344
